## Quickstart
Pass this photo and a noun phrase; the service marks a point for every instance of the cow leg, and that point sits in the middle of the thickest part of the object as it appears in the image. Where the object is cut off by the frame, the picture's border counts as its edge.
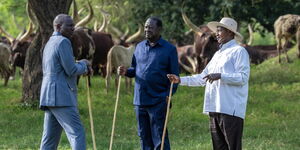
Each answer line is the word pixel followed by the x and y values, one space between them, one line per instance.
pixel 126 83
pixel 130 85
pixel 6 78
pixel 78 77
pixel 278 48
pixel 13 72
pixel 89 80
pixel 103 70
pixel 285 50
pixel 107 78
pixel 298 41
pixel 116 82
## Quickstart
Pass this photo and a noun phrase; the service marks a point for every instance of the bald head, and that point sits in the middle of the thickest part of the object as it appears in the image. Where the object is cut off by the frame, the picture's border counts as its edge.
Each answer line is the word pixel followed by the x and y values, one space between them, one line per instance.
pixel 60 19
pixel 64 24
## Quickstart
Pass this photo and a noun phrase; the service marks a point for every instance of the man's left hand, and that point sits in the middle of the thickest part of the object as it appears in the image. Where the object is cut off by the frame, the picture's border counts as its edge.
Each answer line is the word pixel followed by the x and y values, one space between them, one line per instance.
pixel 212 77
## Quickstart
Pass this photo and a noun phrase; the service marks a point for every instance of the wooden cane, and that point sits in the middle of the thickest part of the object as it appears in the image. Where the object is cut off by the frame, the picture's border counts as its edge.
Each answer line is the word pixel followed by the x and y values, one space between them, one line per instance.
pixel 115 115
pixel 90 112
pixel 166 120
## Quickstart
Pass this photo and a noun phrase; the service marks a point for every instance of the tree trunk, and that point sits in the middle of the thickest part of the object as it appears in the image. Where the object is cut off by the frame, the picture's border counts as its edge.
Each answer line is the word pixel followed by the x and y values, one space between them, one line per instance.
pixel 45 11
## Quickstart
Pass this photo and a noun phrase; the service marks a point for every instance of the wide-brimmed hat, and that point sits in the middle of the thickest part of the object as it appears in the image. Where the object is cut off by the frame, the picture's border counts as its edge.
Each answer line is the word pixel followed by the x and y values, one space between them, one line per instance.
pixel 227 23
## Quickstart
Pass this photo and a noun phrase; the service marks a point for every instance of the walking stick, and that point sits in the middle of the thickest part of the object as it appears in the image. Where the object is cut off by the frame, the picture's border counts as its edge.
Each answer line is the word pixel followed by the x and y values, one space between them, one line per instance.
pixel 90 112
pixel 115 115
pixel 166 121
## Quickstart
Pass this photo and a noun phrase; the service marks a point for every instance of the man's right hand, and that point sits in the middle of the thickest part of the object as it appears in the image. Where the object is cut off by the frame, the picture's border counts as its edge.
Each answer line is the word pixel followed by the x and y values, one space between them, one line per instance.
pixel 173 78
pixel 122 70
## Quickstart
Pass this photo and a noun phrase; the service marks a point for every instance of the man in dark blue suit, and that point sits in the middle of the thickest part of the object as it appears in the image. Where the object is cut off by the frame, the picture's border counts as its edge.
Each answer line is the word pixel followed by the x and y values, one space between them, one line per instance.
pixel 59 92
pixel 153 59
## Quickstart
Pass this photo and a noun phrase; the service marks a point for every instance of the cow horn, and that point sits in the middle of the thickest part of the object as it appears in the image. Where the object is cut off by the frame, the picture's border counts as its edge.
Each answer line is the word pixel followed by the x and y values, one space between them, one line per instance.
pixel 21 34
pixel 26 35
pixel 96 25
pixel 105 20
pixel 31 15
pixel 189 23
pixel 15 22
pixel 125 34
pixel 136 35
pixel 7 35
pixel 250 35
pixel 185 67
pixel 88 18
pixel 192 62
pixel 116 31
pixel 75 15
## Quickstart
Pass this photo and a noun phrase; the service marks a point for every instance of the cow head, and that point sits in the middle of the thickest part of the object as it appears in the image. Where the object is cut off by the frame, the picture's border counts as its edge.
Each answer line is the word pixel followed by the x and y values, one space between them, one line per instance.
pixel 205 43
pixel 82 43
pixel 19 46
pixel 209 47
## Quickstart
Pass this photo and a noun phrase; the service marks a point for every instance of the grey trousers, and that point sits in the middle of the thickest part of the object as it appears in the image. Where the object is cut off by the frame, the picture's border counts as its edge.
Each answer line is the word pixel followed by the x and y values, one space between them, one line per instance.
pixel 62 118
pixel 226 131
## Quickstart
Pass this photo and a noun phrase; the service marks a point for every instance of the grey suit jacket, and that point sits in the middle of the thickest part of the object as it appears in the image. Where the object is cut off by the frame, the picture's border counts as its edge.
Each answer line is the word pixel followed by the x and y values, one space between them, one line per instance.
pixel 59 73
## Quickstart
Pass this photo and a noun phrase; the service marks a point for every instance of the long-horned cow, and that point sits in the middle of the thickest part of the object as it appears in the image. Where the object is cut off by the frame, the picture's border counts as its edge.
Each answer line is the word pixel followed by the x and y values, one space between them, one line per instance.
pixel 204 39
pixel 286 27
pixel 18 46
pixel 120 55
pixel 206 45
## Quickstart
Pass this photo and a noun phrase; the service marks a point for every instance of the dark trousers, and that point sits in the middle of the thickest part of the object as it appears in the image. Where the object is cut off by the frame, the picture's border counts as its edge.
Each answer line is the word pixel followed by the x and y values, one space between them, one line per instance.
pixel 226 131
pixel 150 121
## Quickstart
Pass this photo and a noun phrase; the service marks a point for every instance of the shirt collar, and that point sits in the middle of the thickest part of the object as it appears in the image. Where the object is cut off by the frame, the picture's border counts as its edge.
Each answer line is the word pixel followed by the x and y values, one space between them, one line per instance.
pixel 228 44
pixel 55 33
pixel 159 42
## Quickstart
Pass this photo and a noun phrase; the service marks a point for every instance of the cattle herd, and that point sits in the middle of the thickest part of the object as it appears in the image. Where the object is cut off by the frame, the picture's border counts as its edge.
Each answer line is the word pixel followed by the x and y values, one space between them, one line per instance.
pixel 107 50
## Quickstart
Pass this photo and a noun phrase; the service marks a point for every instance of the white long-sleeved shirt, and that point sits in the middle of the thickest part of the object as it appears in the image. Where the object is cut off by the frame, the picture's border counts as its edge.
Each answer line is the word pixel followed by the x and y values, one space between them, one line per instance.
pixel 229 94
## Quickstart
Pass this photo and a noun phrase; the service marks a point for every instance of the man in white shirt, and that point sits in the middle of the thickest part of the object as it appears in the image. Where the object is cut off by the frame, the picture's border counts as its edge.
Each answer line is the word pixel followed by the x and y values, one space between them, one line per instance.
pixel 226 79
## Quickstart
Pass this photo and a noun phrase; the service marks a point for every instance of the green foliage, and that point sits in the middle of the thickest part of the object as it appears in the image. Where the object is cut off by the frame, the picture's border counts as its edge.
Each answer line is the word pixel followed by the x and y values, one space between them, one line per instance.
pixel 271 120
pixel 130 13
pixel 10 8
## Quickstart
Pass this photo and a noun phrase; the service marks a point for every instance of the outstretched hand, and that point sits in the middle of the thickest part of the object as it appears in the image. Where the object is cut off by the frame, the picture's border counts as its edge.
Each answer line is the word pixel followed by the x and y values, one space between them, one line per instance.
pixel 212 77
pixel 173 78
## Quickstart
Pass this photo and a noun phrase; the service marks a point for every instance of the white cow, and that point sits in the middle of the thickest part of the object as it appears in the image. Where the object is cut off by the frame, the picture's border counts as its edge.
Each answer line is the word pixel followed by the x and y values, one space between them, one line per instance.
pixel 117 56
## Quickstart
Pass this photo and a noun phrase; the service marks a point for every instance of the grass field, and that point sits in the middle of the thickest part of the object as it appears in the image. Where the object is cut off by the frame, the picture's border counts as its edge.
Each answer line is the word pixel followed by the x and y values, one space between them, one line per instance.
pixel 272 119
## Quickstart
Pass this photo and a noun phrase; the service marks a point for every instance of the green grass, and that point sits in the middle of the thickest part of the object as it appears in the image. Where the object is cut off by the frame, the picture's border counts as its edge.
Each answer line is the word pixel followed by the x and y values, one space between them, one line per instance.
pixel 272 119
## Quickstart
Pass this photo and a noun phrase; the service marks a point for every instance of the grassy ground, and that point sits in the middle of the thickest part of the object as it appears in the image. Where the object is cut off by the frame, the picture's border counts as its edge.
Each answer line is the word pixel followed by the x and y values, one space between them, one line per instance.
pixel 272 119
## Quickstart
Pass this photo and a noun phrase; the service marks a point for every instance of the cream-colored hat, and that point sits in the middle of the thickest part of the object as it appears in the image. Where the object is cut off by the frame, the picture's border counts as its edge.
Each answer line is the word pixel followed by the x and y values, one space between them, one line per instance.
pixel 227 23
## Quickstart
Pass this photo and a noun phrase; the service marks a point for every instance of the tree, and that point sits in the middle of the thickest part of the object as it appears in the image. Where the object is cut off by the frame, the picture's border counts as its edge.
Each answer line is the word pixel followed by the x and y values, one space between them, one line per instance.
pixel 45 11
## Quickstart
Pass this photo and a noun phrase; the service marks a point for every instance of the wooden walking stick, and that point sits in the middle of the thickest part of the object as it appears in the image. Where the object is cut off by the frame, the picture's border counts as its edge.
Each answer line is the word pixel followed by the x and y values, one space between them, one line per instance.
pixel 115 114
pixel 90 112
pixel 166 120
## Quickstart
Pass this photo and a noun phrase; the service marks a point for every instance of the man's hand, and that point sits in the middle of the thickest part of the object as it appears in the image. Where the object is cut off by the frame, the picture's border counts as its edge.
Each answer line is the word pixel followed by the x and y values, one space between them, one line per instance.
pixel 212 77
pixel 89 67
pixel 173 78
pixel 122 70
pixel 88 63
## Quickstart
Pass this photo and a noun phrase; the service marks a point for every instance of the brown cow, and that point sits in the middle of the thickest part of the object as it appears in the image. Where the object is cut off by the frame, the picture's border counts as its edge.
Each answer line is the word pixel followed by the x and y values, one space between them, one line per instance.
pixel 202 33
pixel 103 43
pixel 18 47
pixel 83 45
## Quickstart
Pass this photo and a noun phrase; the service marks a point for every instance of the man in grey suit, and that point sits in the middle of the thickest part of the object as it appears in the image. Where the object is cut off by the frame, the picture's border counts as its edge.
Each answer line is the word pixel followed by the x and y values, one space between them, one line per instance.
pixel 59 92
